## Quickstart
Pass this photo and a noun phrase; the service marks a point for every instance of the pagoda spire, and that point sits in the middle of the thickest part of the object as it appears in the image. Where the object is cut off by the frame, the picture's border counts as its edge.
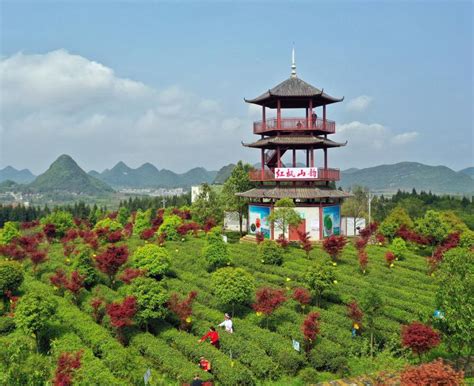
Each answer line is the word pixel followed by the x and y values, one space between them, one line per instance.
pixel 293 64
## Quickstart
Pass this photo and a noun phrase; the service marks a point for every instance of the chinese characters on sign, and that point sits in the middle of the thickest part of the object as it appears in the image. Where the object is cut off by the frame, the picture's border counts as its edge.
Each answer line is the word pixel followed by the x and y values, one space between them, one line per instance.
pixel 296 173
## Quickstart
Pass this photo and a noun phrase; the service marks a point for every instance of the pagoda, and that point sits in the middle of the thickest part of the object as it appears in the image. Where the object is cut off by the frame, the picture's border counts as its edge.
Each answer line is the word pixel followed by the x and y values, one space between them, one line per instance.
pixel 311 185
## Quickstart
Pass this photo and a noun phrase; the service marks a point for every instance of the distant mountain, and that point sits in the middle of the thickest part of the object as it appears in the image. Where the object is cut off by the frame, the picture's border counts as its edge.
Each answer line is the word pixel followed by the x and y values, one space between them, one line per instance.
pixel 148 176
pixel 409 175
pixel 468 171
pixel 65 175
pixel 19 176
pixel 223 174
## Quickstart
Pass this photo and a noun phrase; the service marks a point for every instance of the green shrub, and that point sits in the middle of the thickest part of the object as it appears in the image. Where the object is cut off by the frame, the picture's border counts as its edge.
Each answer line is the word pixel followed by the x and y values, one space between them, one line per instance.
pixel 63 221
pixel 9 231
pixel 329 356
pixel 153 259
pixel 270 253
pixel 308 375
pixel 395 219
pixel 232 286
pixel 399 248
pixel 84 264
pixel 467 239
pixel 170 227
pixel 433 226
pixel 11 276
pixel 108 223
pixel 7 324
pixel 215 251
pixel 142 221
pixel 319 279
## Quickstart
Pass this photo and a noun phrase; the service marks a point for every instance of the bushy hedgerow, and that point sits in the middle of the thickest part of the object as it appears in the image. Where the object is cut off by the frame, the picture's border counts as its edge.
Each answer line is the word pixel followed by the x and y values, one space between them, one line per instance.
pixel 399 248
pixel 308 375
pixel 108 223
pixel 225 372
pixel 9 231
pixel 92 371
pixel 215 251
pixel 7 324
pixel 169 227
pixel 63 221
pixel 170 360
pixel 329 356
pixel 153 259
pixel 467 239
pixel 270 253
pixel 11 276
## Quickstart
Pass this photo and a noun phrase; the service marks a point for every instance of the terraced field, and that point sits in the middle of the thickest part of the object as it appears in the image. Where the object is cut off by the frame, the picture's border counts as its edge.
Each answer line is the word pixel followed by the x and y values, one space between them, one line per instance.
pixel 260 350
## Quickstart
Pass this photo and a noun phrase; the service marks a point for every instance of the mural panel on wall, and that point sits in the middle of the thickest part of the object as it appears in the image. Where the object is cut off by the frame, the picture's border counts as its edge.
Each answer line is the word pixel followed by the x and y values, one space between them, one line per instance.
pixel 258 220
pixel 331 220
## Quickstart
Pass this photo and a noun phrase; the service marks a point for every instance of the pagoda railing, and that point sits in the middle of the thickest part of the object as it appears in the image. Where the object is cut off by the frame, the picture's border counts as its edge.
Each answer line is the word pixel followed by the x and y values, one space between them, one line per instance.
pixel 268 175
pixel 294 124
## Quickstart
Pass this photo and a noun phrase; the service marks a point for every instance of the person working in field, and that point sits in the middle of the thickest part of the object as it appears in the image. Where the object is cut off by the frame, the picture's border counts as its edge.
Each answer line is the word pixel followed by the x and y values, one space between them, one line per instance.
pixel 213 336
pixel 227 323
pixel 204 364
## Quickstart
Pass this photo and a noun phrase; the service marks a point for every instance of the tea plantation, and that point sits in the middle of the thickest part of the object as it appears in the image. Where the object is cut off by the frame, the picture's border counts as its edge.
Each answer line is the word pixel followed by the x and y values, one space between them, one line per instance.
pixel 108 348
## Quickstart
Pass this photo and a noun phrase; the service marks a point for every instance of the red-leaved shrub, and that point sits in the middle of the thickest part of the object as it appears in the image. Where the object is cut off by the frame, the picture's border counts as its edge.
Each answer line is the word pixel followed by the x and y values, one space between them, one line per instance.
pixel 111 260
pixel 363 259
pixel 129 274
pixel 67 364
pixel 333 245
pixel 310 329
pixel 305 241
pixel 355 313
pixel 183 309
pixel 419 337
pixel 302 296
pixel 147 234
pixel 268 300
pixel 389 258
pixel 121 315
pixel 433 373
pixel 259 237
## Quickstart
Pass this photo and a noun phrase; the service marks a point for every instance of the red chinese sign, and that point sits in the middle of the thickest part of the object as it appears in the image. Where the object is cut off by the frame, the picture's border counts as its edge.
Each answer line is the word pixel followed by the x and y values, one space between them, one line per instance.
pixel 296 173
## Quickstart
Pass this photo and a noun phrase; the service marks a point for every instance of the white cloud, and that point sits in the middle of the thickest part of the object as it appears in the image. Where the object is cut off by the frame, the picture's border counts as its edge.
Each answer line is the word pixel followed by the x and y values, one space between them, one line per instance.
pixel 404 138
pixel 58 103
pixel 360 103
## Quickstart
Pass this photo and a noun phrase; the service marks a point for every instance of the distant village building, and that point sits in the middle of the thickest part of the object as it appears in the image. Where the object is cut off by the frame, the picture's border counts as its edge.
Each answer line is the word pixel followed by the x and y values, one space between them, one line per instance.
pixel 317 201
pixel 347 226
pixel 195 192
pixel 231 222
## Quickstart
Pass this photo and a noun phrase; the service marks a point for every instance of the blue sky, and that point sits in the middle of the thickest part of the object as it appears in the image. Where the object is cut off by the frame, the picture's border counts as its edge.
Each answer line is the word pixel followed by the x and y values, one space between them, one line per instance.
pixel 404 68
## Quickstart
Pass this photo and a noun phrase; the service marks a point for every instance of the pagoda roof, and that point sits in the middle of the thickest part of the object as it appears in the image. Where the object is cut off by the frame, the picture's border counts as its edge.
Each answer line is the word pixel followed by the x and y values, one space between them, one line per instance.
pixel 299 141
pixel 294 93
pixel 305 192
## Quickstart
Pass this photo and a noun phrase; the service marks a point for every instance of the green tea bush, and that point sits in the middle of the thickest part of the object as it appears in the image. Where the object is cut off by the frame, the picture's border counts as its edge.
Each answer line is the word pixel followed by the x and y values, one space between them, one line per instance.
pixel 7 325
pixel 395 219
pixel 308 375
pixel 11 276
pixel 63 221
pixel 467 239
pixel 232 286
pixel 329 356
pixel 153 259
pixel 215 251
pixel 399 248
pixel 9 231
pixel 170 227
pixel 84 264
pixel 142 221
pixel 270 253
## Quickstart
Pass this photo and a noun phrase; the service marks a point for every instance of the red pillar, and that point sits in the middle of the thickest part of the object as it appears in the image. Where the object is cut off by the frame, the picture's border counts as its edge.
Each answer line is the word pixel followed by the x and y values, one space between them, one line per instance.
pixel 279 156
pixel 310 113
pixel 312 157
pixel 263 163
pixel 264 120
pixel 278 114
pixel 325 158
pixel 307 158
pixel 324 117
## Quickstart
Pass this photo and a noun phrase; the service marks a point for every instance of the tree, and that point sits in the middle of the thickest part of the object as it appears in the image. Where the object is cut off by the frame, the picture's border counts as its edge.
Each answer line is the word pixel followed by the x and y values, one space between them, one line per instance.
pixel 397 218
pixel 433 226
pixel 9 232
pixel 354 313
pixel 129 274
pixel 183 309
pixel 389 258
pixel 62 221
pixel 433 373
pixel 207 205
pixel 454 297
pixel 123 215
pixel 399 248
pixel 68 363
pixel 11 276
pixel 310 330
pixel 270 253
pixel 357 205
pixel 302 296
pixel 215 251
pixel 268 300
pixel 121 315
pixel 83 264
pixel 238 182
pixel 142 221
pixel 34 312
pixel 284 215
pixel 232 286
pixel 111 260
pixel 154 260
pixel 319 279
pixel 37 258
pixel 75 285
pixel 333 245
pixel 151 299
pixel 305 241
pixel 420 338
pixel 363 260
pixel 371 304
pixel 169 227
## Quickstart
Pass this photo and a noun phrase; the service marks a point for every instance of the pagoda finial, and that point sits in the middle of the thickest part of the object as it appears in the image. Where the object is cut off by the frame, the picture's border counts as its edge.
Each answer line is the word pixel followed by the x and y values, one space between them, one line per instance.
pixel 293 64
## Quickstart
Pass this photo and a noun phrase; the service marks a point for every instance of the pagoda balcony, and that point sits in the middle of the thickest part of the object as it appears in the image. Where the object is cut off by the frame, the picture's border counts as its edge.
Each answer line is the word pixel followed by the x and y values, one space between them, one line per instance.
pixel 294 124
pixel 268 175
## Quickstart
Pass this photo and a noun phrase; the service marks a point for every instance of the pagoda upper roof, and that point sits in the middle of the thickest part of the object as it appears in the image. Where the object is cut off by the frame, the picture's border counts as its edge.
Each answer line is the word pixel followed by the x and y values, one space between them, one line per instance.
pixel 294 93
pixel 297 141
pixel 277 192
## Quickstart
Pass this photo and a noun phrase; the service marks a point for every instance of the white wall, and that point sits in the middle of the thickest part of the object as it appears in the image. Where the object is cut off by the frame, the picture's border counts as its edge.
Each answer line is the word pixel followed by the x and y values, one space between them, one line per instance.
pixel 347 225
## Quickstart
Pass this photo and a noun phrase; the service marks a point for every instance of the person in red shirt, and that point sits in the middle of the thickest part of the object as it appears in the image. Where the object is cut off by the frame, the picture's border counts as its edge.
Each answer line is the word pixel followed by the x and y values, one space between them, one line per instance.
pixel 213 336
pixel 204 364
